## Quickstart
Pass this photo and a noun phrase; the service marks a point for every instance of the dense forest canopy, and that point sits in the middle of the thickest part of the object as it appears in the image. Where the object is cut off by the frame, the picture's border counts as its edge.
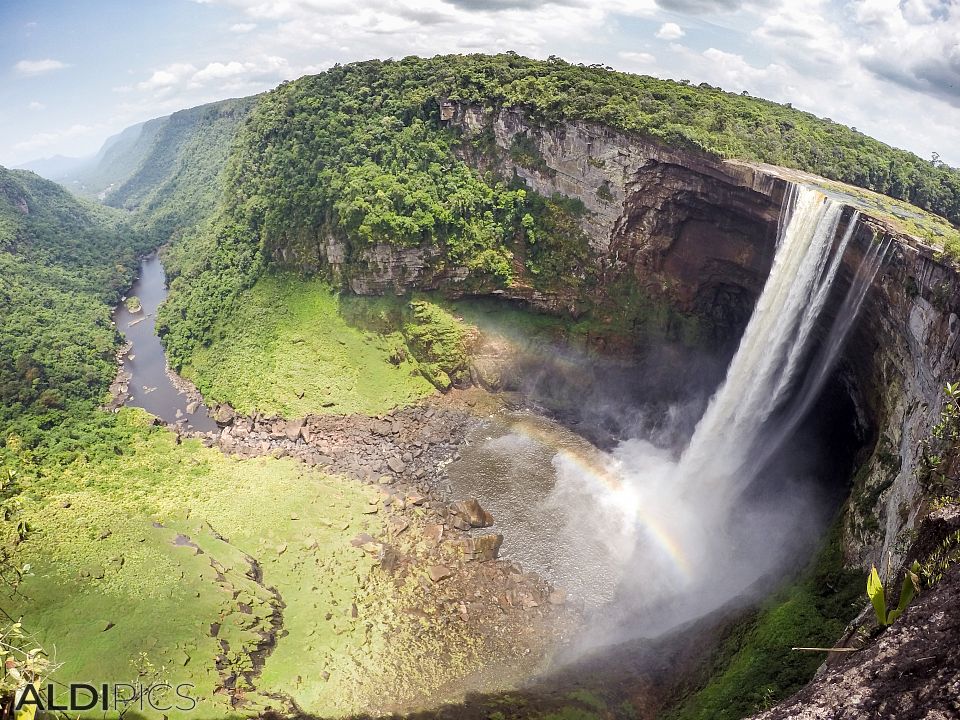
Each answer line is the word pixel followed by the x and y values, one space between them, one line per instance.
pixel 697 117
pixel 63 263
pixel 360 152
pixel 676 113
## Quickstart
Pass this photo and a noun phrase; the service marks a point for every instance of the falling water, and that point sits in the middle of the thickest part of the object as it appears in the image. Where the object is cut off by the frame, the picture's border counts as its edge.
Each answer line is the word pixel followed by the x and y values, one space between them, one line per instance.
pixel 776 346
pixel 651 539
pixel 695 542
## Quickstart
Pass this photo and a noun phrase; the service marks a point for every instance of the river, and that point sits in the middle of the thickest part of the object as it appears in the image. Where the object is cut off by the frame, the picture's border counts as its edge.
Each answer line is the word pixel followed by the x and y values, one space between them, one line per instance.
pixel 151 387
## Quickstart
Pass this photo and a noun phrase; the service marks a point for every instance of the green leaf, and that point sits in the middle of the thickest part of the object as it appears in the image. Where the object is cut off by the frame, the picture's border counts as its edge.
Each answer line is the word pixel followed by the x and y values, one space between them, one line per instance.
pixel 911 583
pixel 876 595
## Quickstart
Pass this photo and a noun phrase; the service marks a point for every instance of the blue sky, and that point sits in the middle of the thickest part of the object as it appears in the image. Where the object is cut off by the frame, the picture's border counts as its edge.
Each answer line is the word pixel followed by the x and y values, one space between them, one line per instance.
pixel 73 73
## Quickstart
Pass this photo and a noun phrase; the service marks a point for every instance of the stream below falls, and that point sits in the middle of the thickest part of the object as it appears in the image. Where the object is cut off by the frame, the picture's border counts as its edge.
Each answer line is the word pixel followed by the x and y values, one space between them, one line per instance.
pixel 151 386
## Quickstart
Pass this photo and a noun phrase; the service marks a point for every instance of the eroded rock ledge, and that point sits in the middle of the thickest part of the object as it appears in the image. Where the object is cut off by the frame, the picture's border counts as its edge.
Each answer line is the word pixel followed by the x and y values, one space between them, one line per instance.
pixel 911 671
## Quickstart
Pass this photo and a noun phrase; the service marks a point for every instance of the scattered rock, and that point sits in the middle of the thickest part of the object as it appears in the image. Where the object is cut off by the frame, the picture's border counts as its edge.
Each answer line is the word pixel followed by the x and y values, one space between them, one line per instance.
pixel 108 626
pixel 361 539
pixel 433 533
pixel 396 465
pixel 398 525
pixel 439 572
pixel 293 429
pixel 482 548
pixel 224 414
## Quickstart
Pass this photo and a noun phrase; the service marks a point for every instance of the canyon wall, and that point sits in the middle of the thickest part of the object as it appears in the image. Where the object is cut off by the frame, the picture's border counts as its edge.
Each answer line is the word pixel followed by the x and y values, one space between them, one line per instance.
pixel 699 235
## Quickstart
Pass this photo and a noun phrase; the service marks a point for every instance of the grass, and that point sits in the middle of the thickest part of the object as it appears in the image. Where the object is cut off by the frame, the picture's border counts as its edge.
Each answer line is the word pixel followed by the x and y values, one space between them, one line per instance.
pixel 754 667
pixel 105 552
pixel 305 359
pixel 339 354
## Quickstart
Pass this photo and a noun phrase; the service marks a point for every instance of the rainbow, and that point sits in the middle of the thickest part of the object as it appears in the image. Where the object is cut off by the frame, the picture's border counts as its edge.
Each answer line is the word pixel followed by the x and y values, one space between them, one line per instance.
pixel 598 469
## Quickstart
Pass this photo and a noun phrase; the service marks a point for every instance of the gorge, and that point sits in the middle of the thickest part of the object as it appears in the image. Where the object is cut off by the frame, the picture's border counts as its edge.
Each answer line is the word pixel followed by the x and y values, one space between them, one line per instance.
pixel 700 397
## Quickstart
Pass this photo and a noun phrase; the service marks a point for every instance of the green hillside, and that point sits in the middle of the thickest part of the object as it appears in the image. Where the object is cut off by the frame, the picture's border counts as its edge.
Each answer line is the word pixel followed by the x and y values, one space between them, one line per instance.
pixel 63 263
pixel 360 152
pixel 117 160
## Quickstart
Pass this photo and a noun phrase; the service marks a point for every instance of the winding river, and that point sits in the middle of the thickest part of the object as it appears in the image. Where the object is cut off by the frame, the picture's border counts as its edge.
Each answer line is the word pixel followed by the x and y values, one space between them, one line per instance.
pixel 151 386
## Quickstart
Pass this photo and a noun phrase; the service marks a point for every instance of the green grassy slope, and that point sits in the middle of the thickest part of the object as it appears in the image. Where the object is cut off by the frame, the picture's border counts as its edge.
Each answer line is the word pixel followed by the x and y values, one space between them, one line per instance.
pixel 120 592
pixel 303 359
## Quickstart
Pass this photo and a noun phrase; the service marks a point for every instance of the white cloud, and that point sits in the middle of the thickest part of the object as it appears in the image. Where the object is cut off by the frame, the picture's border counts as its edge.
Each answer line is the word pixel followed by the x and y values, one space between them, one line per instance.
pixel 36 67
pixel 637 58
pixel 36 105
pixel 670 31
pixel 41 140
pixel 913 43
pixel 168 77
pixel 188 83
pixel 890 67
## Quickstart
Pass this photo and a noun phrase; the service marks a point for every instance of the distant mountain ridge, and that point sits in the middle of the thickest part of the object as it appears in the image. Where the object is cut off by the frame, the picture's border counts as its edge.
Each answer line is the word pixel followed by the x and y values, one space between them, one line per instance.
pixel 57 167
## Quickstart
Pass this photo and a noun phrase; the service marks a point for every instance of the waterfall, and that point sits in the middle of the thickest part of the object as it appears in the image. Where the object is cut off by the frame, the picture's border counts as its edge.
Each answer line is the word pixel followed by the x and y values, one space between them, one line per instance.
pixel 774 356
pixel 688 537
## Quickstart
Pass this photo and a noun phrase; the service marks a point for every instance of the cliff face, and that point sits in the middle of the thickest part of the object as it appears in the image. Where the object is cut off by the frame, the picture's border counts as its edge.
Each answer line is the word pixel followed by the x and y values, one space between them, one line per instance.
pixel 903 351
pixel 910 671
pixel 699 234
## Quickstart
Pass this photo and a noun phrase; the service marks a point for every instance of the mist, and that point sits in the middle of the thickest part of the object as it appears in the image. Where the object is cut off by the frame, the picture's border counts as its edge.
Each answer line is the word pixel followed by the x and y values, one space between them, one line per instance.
pixel 706 494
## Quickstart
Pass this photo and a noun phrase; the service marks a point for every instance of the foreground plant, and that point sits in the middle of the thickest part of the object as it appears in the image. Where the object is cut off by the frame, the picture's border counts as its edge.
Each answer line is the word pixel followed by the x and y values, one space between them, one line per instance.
pixel 875 591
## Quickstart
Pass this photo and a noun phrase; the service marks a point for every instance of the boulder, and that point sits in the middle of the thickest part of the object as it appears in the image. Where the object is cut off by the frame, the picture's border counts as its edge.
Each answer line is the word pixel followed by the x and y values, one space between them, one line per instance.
pixel 472 512
pixel 487 373
pixel 396 464
pixel 433 533
pixel 439 572
pixel 293 428
pixel 224 414
pixel 482 548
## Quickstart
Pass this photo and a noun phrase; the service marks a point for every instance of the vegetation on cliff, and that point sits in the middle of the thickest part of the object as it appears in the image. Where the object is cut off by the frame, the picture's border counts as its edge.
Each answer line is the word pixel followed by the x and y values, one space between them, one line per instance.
pixel 168 169
pixel 360 153
pixel 755 666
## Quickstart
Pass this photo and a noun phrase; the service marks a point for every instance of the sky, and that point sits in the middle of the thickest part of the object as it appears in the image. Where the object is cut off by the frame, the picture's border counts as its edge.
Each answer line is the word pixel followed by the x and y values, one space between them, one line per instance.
pixel 74 72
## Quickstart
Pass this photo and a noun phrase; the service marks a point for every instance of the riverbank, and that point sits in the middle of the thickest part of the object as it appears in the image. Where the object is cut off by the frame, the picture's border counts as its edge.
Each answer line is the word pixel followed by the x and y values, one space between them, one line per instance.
pixel 315 565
